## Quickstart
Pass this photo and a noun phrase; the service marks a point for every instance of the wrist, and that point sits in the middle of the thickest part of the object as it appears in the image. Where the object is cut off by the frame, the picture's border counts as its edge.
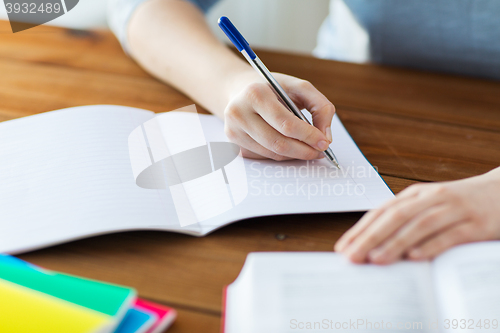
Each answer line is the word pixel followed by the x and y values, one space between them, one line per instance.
pixel 239 80
pixel 231 80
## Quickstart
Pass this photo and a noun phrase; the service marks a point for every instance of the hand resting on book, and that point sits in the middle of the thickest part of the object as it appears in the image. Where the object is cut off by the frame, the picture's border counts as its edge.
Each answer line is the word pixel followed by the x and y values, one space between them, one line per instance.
pixel 426 219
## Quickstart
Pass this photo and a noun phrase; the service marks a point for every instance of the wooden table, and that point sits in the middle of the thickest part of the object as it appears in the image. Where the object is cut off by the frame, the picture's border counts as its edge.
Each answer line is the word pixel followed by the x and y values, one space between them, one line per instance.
pixel 413 126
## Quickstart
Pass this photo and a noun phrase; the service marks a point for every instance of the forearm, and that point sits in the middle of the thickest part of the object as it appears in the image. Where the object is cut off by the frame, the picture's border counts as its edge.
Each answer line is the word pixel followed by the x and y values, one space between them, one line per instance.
pixel 171 40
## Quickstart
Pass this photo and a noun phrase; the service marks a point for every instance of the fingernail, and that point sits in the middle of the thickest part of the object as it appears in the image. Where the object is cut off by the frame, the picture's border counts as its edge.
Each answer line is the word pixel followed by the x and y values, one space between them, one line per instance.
pixel 323 145
pixel 328 133
pixel 416 254
pixel 339 246
pixel 347 250
pixel 352 254
pixel 377 255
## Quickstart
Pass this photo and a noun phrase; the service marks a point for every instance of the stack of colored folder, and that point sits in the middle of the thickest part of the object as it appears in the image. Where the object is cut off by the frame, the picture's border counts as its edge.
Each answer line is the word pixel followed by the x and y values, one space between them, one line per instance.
pixel 37 300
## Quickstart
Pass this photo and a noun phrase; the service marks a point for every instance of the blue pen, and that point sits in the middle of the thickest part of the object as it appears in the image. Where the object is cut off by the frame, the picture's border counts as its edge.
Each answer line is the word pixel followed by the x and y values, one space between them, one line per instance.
pixel 242 45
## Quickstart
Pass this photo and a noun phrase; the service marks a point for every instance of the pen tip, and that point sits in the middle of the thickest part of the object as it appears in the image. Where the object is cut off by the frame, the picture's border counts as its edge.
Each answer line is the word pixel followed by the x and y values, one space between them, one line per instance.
pixel 334 163
pixel 331 157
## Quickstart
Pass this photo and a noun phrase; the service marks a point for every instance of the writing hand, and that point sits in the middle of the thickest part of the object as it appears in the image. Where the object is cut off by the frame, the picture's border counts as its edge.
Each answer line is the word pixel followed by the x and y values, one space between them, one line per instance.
pixel 264 128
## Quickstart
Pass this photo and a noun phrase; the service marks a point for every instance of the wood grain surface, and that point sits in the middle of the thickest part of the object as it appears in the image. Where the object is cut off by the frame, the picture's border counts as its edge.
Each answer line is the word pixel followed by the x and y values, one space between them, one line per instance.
pixel 413 126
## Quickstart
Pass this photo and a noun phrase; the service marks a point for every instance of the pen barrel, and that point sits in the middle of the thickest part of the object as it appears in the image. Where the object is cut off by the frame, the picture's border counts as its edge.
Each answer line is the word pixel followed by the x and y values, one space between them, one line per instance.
pixel 283 97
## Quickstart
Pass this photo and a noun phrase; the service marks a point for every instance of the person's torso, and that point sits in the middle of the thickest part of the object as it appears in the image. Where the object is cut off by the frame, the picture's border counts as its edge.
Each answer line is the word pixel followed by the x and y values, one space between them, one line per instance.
pixel 456 36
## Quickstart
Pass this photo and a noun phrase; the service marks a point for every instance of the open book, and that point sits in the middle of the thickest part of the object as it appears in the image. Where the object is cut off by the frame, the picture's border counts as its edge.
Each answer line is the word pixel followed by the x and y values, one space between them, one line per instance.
pixel 91 170
pixel 321 292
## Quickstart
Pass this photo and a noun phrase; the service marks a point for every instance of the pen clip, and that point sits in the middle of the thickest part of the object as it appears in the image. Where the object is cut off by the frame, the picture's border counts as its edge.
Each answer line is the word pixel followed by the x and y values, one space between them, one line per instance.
pixel 235 36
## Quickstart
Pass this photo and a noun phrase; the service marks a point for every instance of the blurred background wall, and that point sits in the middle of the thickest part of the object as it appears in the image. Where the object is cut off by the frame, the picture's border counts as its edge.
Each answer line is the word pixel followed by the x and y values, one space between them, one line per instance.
pixel 289 25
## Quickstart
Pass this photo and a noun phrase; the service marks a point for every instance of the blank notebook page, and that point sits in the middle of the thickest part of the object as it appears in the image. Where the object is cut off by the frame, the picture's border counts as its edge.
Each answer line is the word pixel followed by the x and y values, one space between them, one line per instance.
pixel 289 187
pixel 67 174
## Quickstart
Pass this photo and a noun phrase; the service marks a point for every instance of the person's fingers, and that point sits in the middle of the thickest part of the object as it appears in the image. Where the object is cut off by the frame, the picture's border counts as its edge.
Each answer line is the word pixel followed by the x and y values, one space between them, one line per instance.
pixel 266 104
pixel 356 229
pixel 371 216
pixel 425 224
pixel 266 136
pixel 457 234
pixel 305 95
pixel 250 148
pixel 386 224
pixel 246 153
pixel 413 190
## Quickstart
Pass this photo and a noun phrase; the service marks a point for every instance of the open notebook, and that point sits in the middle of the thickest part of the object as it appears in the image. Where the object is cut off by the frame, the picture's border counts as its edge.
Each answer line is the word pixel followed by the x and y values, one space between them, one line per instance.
pixel 459 291
pixel 91 170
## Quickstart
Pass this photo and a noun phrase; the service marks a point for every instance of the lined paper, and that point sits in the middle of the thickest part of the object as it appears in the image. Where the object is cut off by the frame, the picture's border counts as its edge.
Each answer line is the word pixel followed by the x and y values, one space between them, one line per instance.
pixel 68 174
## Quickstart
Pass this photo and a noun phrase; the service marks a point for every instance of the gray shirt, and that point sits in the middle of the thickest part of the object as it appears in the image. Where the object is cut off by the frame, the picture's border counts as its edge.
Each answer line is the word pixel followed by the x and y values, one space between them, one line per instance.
pixel 454 36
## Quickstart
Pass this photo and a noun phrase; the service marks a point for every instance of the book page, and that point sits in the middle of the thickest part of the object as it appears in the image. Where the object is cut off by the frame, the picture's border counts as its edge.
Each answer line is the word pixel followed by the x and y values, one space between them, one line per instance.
pixel 467 287
pixel 322 292
pixel 267 187
pixel 67 174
